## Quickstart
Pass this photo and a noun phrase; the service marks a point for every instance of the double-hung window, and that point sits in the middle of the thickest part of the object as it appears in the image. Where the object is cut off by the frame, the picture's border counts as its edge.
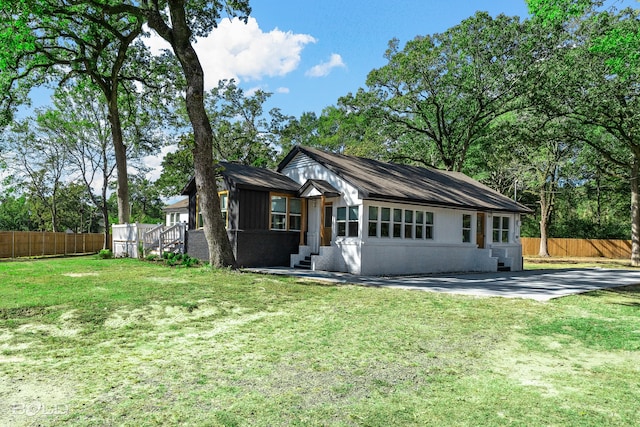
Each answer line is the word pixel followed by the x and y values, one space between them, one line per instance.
pixel 501 229
pixel 347 221
pixel 408 224
pixel 373 221
pixel 466 228
pixel 278 213
pixel 295 214
pixel 224 206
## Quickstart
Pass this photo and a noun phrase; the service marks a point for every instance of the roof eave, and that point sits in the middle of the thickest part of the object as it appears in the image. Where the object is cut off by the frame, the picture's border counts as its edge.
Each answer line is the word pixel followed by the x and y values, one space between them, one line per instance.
pixel 383 198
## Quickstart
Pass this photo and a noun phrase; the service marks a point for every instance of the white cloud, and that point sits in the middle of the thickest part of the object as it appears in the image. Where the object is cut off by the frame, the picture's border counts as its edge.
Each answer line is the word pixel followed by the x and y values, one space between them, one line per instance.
pixel 244 52
pixel 282 90
pixel 324 68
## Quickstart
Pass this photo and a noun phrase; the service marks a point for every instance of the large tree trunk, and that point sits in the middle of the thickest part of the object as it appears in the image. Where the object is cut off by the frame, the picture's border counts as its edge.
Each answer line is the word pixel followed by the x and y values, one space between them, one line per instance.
pixel 104 209
pixel 220 251
pixel 124 213
pixel 546 207
pixel 635 212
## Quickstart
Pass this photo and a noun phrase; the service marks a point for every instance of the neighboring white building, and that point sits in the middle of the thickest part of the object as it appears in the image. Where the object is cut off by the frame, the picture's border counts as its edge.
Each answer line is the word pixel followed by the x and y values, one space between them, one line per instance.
pixel 177 212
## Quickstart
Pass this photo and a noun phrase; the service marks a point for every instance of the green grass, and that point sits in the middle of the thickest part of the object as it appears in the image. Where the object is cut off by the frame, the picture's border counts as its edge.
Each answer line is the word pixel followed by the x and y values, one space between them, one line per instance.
pixel 96 342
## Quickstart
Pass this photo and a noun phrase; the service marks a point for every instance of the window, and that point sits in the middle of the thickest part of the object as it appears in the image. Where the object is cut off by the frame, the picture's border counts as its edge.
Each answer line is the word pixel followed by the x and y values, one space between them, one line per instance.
pixel 419 225
pixel 408 224
pixel 278 213
pixel 224 210
pixel 397 223
pixel 466 228
pixel 347 221
pixel 428 227
pixel 286 213
pixel 424 225
pixel 501 229
pixel 353 221
pixel 295 214
pixel 373 221
pixel 224 206
pixel 385 222
pixel 400 223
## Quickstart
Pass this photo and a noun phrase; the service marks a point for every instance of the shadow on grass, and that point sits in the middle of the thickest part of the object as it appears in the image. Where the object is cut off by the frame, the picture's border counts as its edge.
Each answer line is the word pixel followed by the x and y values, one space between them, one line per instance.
pixel 631 291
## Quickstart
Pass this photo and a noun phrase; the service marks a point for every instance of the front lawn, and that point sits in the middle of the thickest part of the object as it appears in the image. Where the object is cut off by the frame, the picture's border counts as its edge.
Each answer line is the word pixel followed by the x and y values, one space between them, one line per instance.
pixel 122 342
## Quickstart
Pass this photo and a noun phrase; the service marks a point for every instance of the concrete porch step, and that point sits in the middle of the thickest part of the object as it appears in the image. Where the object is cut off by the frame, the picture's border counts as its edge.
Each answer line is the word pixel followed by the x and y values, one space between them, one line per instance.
pixel 502 267
pixel 304 264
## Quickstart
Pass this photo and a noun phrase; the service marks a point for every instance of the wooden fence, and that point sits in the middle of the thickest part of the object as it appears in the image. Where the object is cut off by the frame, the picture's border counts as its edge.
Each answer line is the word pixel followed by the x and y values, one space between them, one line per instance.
pixel 617 249
pixel 15 244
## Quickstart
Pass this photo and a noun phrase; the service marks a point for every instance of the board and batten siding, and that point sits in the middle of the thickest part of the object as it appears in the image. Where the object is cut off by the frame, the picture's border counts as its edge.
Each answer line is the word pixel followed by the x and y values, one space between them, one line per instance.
pixel 302 168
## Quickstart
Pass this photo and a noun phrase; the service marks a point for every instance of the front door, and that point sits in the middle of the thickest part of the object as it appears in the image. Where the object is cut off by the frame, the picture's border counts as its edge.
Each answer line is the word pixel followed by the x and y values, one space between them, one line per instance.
pixel 315 222
pixel 327 224
pixel 480 230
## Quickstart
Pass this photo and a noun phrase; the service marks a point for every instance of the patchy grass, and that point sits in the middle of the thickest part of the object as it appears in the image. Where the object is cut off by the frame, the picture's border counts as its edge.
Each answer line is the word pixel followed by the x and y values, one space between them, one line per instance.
pixel 122 342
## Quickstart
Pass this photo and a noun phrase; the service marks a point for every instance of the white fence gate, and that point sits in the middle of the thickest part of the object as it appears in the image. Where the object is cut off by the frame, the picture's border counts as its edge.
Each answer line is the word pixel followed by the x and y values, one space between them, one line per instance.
pixel 127 239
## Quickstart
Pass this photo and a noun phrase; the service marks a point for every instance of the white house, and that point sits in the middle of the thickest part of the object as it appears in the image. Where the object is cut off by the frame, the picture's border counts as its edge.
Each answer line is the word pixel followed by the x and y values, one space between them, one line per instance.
pixel 327 211
pixel 177 212
pixel 373 218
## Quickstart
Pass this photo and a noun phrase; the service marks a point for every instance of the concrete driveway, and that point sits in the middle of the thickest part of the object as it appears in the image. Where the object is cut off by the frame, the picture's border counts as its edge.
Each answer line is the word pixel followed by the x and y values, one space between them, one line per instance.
pixel 540 285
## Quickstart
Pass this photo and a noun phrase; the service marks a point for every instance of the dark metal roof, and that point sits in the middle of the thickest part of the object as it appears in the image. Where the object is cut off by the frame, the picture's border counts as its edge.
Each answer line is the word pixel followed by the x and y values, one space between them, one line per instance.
pixel 376 180
pixel 322 186
pixel 250 177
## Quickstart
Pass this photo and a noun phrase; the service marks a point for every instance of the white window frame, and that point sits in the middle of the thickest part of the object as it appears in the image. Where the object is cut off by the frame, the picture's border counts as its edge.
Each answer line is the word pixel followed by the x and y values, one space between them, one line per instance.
pixel 467 238
pixel 348 218
pixel 500 234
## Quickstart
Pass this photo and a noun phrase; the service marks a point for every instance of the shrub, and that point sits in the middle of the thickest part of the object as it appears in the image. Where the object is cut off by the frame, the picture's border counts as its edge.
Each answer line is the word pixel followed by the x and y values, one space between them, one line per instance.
pixel 105 254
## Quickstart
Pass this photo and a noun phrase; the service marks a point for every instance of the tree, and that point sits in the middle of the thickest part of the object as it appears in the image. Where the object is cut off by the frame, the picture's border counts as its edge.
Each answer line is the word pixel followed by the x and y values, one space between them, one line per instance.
pixel 441 93
pixel 607 102
pixel 66 39
pixel 177 168
pixel 178 22
pixel 603 101
pixel 241 130
pixel 540 150
pixel 39 164
pixel 145 200
pixel 14 211
pixel 620 45
pixel 78 123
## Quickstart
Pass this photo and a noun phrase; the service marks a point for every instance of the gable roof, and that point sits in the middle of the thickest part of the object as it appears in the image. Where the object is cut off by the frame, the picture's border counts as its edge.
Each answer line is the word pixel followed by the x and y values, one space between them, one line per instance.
pixel 251 178
pixel 376 180
pixel 319 187
pixel 179 205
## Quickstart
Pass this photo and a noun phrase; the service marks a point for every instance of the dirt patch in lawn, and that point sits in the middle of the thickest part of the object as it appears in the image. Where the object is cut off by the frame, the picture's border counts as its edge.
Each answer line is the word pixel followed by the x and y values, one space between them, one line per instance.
pixel 555 370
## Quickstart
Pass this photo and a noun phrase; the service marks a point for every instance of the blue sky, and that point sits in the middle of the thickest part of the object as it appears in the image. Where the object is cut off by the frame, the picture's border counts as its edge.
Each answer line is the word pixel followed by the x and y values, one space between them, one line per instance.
pixel 308 53
pixel 349 38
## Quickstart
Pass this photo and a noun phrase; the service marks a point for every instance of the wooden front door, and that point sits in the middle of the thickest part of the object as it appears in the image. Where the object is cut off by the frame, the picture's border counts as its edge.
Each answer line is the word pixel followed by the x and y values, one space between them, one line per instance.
pixel 480 226
pixel 327 223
